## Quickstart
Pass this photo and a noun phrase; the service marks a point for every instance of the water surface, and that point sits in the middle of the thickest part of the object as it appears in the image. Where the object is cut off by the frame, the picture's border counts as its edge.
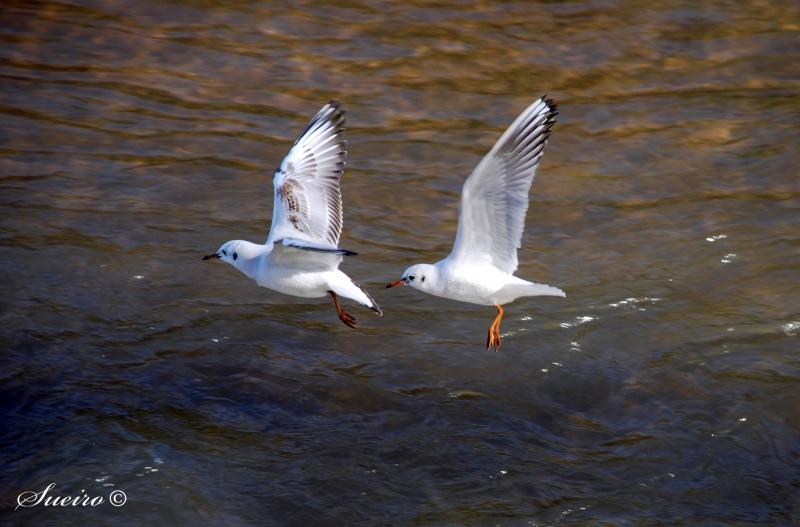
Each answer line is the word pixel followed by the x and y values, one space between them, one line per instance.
pixel 136 137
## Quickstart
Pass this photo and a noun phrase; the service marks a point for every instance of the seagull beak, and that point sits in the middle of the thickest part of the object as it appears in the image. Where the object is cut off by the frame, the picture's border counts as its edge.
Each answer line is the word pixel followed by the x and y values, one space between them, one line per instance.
pixel 211 256
pixel 396 283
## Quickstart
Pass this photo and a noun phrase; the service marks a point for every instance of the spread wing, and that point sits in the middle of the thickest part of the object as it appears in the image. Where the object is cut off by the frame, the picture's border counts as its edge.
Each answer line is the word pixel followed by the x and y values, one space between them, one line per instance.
pixel 289 254
pixel 495 196
pixel 308 203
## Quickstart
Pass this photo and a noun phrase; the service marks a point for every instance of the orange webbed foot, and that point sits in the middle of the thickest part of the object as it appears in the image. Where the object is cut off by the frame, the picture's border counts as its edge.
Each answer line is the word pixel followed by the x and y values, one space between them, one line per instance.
pixel 348 319
pixel 493 340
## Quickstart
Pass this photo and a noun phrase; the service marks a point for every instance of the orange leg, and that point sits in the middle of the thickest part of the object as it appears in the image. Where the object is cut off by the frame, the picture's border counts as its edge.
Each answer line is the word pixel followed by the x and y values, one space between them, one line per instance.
pixel 344 316
pixel 494 331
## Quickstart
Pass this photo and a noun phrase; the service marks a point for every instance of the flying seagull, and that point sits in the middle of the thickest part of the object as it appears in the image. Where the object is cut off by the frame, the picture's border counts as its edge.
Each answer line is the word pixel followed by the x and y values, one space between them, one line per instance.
pixel 301 256
pixel 491 219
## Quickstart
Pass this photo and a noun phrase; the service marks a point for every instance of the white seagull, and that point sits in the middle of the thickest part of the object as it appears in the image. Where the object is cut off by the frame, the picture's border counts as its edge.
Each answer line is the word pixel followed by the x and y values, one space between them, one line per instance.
pixel 301 256
pixel 491 219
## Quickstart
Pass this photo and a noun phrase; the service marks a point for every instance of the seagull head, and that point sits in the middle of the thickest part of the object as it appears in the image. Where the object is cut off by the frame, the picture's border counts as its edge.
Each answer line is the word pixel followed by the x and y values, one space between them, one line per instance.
pixel 229 252
pixel 420 276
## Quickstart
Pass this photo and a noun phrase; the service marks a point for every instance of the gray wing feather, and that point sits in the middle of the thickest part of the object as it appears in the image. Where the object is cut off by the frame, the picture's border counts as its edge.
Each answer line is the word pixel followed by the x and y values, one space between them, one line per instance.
pixel 308 202
pixel 494 200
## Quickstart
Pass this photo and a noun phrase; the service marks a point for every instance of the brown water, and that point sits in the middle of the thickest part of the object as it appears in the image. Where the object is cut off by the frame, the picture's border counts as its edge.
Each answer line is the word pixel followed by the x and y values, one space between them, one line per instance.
pixel 136 137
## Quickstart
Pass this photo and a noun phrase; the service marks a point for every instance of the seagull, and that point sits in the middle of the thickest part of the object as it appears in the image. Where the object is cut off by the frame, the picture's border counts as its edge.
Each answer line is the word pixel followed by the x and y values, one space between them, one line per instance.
pixel 301 256
pixel 491 218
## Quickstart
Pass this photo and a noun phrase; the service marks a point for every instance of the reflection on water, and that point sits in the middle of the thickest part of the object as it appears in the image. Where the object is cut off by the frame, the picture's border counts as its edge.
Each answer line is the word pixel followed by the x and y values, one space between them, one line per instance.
pixel 666 388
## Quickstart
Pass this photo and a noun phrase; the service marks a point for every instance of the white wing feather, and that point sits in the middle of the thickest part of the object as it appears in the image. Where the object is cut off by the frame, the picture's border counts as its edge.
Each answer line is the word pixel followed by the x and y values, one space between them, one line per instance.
pixel 308 202
pixel 292 257
pixel 495 196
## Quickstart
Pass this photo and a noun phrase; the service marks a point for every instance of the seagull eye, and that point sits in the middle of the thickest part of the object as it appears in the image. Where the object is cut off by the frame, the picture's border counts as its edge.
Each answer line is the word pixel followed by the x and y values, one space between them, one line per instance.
pixel 235 256
pixel 411 278
pixel 223 252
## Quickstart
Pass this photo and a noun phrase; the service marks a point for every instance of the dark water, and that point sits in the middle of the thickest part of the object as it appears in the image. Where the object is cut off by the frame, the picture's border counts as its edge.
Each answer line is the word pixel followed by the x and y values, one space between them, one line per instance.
pixel 664 390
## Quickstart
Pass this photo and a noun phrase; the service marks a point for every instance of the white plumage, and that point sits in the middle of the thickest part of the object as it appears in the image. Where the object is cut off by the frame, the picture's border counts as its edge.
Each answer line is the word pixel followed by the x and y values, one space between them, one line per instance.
pixel 308 202
pixel 301 256
pixel 491 220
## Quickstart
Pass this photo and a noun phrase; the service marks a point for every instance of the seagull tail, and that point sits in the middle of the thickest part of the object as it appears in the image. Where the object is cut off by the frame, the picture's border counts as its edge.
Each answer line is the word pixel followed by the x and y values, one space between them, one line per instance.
pixel 345 287
pixel 543 290
pixel 373 305
pixel 512 291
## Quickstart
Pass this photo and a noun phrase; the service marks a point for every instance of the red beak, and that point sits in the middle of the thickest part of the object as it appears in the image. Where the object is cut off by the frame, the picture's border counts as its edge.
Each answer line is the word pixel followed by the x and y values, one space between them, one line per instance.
pixel 396 283
pixel 211 256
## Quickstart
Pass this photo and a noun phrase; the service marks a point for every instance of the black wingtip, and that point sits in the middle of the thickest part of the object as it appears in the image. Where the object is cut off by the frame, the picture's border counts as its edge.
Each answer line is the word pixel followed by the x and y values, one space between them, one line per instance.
pixel 374 307
pixel 287 242
pixel 336 104
pixel 549 102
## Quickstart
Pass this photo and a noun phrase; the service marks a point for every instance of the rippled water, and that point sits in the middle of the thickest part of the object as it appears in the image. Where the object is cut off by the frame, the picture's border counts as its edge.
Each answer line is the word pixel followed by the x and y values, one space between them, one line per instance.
pixel 665 389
